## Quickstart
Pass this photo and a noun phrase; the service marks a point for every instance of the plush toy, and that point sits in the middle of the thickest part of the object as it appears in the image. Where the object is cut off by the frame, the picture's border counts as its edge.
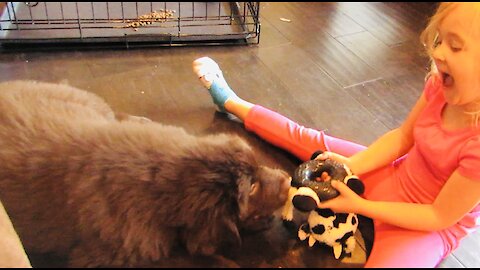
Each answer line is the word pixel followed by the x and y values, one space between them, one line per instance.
pixel 311 183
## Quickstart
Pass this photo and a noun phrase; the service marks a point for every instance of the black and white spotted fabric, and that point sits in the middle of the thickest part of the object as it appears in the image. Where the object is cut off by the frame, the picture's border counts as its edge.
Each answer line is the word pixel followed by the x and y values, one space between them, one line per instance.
pixel 335 230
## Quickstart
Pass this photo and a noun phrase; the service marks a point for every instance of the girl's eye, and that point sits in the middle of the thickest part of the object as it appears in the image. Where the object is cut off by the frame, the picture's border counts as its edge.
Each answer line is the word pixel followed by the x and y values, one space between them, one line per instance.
pixel 455 47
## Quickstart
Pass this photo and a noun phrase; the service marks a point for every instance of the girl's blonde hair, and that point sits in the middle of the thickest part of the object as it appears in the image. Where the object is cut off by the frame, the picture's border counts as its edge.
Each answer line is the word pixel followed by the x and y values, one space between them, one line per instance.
pixel 430 34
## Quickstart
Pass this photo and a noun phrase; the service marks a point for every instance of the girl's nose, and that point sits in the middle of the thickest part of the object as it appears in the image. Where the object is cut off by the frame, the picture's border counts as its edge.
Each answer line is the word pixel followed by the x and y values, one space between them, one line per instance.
pixel 438 54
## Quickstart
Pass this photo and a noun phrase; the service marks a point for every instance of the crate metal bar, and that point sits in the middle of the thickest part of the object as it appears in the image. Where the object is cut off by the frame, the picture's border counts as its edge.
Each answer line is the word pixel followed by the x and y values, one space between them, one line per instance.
pixel 79 22
pixel 31 15
pixel 231 17
pixel 46 11
pixel 8 11
pixel 93 12
pixel 123 13
pixel 186 24
pixel 61 8
pixel 244 11
pixel 15 15
pixel 255 10
pixel 179 16
pixel 108 12
pixel 136 8
pixel 225 18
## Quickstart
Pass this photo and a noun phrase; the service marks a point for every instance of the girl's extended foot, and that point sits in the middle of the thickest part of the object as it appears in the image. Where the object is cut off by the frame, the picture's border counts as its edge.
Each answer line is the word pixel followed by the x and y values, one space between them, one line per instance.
pixel 212 78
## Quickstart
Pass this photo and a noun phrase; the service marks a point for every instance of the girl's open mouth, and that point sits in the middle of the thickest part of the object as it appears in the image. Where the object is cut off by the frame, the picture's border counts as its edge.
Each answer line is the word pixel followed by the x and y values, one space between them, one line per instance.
pixel 447 79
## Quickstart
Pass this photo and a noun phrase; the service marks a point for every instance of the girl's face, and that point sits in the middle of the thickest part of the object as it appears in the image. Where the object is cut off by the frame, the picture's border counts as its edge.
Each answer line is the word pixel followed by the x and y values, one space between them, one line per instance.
pixel 457 56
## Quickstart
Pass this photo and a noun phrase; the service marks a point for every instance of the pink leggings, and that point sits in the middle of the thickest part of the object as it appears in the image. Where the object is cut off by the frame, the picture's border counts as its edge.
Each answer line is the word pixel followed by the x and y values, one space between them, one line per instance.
pixel 392 246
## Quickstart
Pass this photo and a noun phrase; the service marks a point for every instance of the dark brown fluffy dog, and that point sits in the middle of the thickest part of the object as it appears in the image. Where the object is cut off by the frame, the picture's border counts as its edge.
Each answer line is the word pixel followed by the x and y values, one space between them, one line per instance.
pixel 77 181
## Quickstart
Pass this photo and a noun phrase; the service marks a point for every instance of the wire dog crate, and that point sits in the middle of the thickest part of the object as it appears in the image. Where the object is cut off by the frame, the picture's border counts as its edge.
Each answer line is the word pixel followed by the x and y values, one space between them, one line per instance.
pixel 129 23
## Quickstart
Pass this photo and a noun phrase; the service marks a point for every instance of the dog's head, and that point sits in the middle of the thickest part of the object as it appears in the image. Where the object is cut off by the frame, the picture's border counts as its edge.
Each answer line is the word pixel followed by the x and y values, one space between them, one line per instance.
pixel 224 191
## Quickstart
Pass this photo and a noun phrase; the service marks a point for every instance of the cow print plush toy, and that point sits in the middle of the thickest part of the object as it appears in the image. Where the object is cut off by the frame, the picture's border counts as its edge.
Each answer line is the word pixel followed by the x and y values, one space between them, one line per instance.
pixel 311 183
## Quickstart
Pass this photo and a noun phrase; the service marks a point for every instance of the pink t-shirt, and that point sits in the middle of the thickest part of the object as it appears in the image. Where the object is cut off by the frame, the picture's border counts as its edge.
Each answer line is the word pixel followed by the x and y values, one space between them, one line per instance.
pixel 437 153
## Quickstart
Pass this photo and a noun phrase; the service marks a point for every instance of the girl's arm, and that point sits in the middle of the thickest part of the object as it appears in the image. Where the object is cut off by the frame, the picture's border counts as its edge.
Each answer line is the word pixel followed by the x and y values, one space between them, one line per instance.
pixel 458 197
pixel 388 147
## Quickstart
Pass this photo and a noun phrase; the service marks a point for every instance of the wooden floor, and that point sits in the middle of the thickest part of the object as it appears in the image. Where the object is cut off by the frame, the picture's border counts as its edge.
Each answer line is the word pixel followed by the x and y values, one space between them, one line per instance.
pixel 352 69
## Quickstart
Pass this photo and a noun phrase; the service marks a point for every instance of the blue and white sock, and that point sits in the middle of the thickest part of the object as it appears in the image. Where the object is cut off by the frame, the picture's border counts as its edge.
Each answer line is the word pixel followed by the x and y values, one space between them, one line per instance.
pixel 220 92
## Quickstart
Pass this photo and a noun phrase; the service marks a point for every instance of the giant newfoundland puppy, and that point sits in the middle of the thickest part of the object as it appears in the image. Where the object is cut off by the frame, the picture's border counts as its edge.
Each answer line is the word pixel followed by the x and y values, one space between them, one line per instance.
pixel 109 190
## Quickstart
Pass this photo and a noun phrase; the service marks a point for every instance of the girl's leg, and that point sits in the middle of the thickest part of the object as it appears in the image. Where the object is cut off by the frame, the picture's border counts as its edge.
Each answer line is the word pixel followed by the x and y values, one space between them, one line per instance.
pixel 296 139
pixel 396 247
pixel 269 125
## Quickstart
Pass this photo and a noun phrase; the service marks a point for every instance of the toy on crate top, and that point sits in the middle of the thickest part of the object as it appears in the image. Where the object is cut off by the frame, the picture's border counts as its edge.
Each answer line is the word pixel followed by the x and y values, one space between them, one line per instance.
pixel 311 183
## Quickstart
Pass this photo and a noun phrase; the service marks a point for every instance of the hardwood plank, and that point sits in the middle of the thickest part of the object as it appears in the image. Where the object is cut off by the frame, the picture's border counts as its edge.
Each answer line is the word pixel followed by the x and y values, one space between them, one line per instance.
pixel 415 19
pixel 295 28
pixel 269 35
pixel 376 19
pixel 381 98
pixel 336 60
pixel 450 262
pixel 319 97
pixel 385 60
pixel 468 251
pixel 326 16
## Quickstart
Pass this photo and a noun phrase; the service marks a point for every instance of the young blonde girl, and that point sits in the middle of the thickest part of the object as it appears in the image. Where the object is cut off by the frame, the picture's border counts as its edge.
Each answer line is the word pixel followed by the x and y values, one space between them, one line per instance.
pixel 422 179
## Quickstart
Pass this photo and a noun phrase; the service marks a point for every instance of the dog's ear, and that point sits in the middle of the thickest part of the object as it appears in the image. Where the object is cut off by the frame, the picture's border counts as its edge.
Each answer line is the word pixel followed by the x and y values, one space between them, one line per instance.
pixel 216 224
pixel 214 176
pixel 245 188
pixel 213 197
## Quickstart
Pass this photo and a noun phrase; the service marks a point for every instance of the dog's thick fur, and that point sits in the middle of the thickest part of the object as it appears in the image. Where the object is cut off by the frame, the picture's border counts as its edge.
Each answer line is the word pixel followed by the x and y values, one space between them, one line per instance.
pixel 77 181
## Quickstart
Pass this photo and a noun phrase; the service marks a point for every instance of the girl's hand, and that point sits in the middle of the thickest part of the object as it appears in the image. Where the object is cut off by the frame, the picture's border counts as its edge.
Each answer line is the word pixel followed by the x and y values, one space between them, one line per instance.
pixel 337 157
pixel 347 202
